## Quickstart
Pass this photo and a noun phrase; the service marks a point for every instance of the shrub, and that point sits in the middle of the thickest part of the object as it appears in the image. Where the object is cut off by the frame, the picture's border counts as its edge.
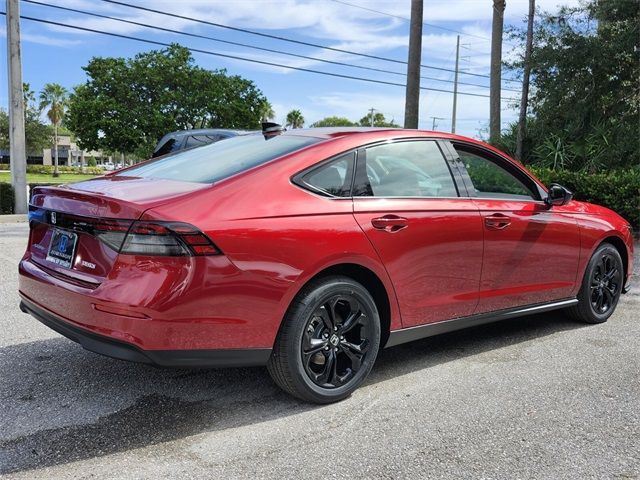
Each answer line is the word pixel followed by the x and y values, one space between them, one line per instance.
pixel 91 161
pixel 48 169
pixel 618 190
pixel 6 198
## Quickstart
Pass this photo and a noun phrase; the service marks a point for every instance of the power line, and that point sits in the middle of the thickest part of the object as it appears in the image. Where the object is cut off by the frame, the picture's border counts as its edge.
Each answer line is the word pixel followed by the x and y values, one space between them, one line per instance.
pixel 286 39
pixel 206 37
pixel 236 57
pixel 407 19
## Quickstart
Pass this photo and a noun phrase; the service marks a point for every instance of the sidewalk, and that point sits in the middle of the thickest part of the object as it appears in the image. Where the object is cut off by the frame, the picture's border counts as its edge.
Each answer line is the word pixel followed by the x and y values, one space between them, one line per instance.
pixel 13 218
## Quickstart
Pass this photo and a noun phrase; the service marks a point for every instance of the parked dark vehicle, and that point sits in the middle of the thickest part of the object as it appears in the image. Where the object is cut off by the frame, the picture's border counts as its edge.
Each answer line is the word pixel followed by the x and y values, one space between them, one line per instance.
pixel 183 139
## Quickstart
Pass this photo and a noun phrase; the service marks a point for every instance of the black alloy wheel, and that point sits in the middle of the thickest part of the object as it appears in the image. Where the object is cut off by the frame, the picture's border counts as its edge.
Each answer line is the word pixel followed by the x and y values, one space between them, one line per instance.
pixel 601 286
pixel 328 341
pixel 606 283
pixel 336 341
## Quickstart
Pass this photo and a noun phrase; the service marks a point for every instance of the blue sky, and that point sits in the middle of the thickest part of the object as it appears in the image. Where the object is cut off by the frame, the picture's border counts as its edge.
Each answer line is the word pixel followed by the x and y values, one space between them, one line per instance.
pixel 55 54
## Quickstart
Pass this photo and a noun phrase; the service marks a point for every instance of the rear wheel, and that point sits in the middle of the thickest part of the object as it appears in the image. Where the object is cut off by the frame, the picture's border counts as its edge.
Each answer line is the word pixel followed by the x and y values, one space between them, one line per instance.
pixel 601 286
pixel 328 341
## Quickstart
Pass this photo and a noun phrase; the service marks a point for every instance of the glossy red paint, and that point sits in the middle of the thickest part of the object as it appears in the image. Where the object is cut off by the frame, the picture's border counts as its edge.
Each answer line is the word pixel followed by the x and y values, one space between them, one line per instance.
pixel 451 257
pixel 436 261
pixel 533 258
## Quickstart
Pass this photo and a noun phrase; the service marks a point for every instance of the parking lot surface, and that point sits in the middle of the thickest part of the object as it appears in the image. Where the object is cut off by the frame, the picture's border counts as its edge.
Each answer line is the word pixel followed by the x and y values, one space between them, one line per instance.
pixel 533 397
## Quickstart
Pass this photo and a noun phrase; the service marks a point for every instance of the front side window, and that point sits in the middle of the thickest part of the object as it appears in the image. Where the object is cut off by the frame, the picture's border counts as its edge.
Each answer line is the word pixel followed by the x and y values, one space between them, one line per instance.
pixel 332 178
pixel 220 160
pixel 405 169
pixel 491 180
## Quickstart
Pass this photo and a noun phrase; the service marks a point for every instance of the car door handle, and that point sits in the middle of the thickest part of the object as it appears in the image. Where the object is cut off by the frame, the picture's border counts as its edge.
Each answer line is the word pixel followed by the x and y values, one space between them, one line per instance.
pixel 497 221
pixel 390 223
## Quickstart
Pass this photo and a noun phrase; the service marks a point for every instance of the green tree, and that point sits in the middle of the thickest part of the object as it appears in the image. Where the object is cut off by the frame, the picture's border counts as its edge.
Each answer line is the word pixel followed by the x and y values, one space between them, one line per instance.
pixel 334 122
pixel 266 111
pixel 54 98
pixel 295 119
pixel 38 135
pixel 378 121
pixel 585 101
pixel 127 105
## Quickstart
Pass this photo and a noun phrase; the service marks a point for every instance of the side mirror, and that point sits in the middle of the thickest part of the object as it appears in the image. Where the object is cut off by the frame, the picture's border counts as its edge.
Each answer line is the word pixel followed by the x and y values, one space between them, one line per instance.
pixel 558 195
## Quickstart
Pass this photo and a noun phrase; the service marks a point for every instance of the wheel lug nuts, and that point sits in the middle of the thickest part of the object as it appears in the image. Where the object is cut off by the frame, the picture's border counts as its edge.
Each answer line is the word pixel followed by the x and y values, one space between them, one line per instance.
pixel 335 328
pixel 341 337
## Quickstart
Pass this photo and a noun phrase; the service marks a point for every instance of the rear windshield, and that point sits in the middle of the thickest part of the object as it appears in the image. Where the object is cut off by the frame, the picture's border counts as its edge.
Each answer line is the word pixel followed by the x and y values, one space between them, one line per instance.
pixel 220 160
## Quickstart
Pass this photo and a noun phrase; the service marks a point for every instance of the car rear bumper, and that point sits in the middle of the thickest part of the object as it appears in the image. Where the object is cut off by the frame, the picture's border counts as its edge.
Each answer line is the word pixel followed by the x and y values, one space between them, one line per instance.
pixel 148 305
pixel 163 358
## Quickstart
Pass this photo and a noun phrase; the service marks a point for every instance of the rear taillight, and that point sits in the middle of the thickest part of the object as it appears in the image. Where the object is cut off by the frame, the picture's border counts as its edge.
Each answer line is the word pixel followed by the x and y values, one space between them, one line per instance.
pixel 110 232
pixel 173 239
pixel 133 237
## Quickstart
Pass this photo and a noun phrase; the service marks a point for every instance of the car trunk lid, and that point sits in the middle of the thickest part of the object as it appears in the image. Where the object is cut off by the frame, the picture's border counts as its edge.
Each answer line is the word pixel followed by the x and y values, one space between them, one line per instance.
pixel 76 229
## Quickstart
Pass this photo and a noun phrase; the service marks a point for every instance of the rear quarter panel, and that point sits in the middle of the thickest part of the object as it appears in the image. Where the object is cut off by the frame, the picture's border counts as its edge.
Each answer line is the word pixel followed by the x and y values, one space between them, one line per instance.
pixel 278 236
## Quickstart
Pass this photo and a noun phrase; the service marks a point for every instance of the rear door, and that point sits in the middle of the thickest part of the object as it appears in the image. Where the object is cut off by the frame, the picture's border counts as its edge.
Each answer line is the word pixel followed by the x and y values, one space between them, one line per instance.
pixel 428 237
pixel 531 252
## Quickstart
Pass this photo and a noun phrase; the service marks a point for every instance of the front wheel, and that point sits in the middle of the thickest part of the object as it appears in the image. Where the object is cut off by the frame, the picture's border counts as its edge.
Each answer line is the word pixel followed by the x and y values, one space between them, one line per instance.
pixel 601 286
pixel 328 341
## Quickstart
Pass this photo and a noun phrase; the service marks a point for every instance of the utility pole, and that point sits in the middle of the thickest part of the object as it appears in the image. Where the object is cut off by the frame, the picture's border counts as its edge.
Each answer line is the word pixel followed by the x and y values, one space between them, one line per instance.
pixel 455 87
pixel 371 110
pixel 412 96
pixel 496 69
pixel 17 149
pixel 434 122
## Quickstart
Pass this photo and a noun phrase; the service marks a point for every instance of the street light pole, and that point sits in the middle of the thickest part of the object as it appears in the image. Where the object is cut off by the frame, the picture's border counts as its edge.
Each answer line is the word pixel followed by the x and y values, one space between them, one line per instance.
pixel 371 110
pixel 17 149
pixel 434 122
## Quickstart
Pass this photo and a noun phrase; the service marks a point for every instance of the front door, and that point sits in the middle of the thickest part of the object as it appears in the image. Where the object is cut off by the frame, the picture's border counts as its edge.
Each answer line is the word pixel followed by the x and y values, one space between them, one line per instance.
pixel 531 251
pixel 427 236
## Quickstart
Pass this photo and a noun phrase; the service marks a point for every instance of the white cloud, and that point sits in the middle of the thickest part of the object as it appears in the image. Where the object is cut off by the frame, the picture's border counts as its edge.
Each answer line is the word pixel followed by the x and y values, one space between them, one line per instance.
pixel 49 39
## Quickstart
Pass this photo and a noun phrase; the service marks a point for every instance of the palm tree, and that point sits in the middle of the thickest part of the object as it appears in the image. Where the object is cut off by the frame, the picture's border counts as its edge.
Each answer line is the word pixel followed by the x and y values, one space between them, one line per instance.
pixel 266 111
pixel 295 119
pixel 522 119
pixel 496 70
pixel 54 97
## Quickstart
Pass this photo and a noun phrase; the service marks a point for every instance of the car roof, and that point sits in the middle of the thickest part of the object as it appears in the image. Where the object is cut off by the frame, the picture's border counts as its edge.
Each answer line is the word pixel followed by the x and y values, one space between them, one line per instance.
pixel 337 132
pixel 206 131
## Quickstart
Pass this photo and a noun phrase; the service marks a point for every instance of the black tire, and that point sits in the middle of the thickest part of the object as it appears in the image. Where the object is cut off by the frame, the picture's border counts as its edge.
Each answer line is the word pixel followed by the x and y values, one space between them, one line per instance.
pixel 601 286
pixel 328 341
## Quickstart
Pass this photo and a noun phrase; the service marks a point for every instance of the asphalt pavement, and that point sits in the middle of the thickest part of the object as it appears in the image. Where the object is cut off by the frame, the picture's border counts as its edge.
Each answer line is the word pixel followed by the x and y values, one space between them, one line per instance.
pixel 534 397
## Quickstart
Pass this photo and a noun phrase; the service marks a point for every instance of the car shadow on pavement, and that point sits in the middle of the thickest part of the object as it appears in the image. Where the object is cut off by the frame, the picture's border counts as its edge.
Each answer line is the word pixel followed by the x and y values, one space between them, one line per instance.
pixel 61 403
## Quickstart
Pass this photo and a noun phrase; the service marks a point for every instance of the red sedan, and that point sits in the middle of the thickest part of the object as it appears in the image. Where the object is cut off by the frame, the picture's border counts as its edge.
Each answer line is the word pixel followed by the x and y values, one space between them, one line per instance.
pixel 309 251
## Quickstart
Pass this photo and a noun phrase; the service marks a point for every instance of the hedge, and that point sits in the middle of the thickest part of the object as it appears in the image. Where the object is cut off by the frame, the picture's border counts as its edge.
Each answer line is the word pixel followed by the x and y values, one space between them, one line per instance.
pixel 48 169
pixel 6 198
pixel 618 190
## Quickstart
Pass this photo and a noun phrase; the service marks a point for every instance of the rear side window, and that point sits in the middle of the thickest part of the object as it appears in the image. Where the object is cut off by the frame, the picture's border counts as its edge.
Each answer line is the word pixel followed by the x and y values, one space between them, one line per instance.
pixel 405 169
pixel 331 178
pixel 220 160
pixel 200 140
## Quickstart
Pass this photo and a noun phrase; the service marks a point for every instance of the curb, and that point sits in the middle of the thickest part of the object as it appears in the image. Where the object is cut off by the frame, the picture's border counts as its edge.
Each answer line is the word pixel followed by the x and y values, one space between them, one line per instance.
pixel 13 218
